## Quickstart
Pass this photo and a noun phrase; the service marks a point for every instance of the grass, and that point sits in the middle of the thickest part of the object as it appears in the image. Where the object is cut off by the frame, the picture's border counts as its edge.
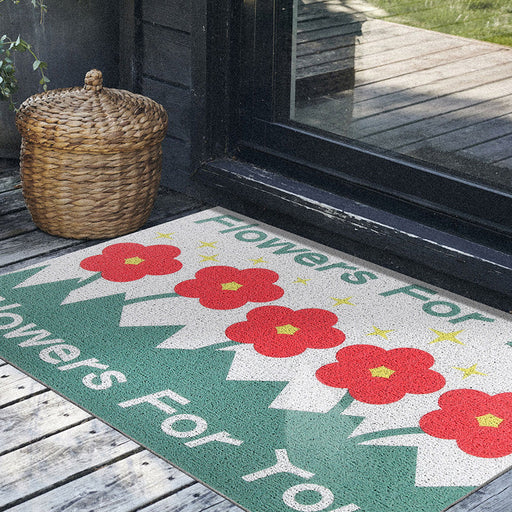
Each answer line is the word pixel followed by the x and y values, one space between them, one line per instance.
pixel 484 20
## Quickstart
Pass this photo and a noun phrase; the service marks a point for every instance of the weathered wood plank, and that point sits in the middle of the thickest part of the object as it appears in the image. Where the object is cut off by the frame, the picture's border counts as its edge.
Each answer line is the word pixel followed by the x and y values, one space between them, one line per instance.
pixel 457 62
pixel 437 125
pixel 167 54
pixel 176 155
pixel 175 14
pixel 496 496
pixel 333 115
pixel 9 178
pixel 366 46
pixel 344 29
pixel 36 417
pixel 338 20
pixel 472 135
pixel 505 163
pixel 450 87
pixel 435 106
pixel 41 258
pixel 377 29
pixel 365 7
pixel 28 245
pixel 11 201
pixel 368 75
pixel 195 498
pixel 16 223
pixel 15 385
pixel 306 7
pixel 37 467
pixel 124 485
pixel 319 9
pixel 490 151
pixel 128 45
pixel 375 60
pixel 323 45
pixel 342 57
pixel 176 102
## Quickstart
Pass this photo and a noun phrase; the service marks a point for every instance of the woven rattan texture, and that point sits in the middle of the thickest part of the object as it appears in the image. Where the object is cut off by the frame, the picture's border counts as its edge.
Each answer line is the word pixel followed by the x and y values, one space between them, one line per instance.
pixel 90 159
pixel 93 199
pixel 91 119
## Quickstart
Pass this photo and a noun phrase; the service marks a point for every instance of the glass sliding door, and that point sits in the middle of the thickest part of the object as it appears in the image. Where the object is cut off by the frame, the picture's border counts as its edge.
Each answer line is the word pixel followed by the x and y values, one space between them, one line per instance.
pixel 428 81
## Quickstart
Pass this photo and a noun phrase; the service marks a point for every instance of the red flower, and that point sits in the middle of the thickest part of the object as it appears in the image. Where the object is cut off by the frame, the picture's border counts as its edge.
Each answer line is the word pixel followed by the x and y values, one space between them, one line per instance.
pixel 376 376
pixel 128 262
pixel 277 331
pixel 481 423
pixel 229 288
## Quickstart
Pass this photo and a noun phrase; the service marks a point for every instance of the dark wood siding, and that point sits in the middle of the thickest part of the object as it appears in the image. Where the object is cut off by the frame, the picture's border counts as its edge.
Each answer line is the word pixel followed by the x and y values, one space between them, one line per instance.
pixel 167 72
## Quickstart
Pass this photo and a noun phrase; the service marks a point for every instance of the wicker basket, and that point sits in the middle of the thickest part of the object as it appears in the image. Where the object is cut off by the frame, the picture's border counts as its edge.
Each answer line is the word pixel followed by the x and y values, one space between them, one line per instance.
pixel 90 159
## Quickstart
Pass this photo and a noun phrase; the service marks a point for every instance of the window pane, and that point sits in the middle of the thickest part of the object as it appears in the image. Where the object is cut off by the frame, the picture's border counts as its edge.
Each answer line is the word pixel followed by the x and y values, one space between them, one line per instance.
pixel 430 79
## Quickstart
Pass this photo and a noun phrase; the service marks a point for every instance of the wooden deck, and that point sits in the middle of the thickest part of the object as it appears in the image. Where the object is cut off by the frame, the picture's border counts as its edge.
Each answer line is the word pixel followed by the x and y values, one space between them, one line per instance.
pixel 437 97
pixel 55 457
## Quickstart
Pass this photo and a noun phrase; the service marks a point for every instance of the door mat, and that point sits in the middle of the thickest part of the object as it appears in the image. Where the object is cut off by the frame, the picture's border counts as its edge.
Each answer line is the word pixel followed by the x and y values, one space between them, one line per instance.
pixel 283 374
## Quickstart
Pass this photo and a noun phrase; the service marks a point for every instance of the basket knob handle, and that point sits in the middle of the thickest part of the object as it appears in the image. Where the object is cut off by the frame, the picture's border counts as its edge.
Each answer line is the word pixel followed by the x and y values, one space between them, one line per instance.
pixel 93 81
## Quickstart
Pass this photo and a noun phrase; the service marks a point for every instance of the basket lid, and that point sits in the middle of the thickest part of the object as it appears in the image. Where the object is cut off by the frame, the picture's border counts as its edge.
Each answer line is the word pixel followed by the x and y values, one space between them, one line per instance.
pixel 92 119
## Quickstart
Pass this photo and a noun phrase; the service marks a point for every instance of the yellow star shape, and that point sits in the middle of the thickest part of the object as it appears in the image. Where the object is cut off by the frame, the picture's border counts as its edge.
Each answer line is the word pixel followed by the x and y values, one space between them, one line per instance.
pixel 380 332
pixel 338 302
pixel 209 258
pixel 301 281
pixel 207 244
pixel 446 336
pixel 257 260
pixel 468 371
pixel 165 235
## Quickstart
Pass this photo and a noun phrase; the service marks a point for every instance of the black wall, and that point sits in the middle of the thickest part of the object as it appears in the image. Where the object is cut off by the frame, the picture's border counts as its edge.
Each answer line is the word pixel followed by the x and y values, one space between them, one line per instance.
pixel 75 36
pixel 170 67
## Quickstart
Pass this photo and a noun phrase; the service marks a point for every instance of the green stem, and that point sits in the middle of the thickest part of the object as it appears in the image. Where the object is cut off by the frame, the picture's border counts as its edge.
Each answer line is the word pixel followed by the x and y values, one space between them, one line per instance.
pixel 90 279
pixel 386 433
pixel 151 297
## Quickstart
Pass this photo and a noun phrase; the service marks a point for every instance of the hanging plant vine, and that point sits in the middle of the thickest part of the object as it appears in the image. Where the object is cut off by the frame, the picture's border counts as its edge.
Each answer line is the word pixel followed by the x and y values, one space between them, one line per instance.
pixel 8 47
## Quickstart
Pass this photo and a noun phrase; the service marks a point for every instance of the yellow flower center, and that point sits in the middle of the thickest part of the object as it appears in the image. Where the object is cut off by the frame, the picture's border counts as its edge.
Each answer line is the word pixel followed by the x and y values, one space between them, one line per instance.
pixel 233 285
pixel 287 329
pixel 133 261
pixel 382 371
pixel 489 420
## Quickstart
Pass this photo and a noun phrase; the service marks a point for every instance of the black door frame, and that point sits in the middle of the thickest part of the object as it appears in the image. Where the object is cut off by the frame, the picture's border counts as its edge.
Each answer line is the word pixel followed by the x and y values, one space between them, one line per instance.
pixel 276 171
pixel 264 103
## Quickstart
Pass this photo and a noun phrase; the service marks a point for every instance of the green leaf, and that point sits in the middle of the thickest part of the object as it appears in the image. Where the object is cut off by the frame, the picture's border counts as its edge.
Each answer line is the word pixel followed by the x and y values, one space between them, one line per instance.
pixel 36 64
pixel 22 46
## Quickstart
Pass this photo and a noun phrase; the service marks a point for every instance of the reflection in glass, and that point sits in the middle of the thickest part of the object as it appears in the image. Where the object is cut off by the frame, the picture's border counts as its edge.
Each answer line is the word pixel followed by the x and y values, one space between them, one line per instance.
pixel 410 76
